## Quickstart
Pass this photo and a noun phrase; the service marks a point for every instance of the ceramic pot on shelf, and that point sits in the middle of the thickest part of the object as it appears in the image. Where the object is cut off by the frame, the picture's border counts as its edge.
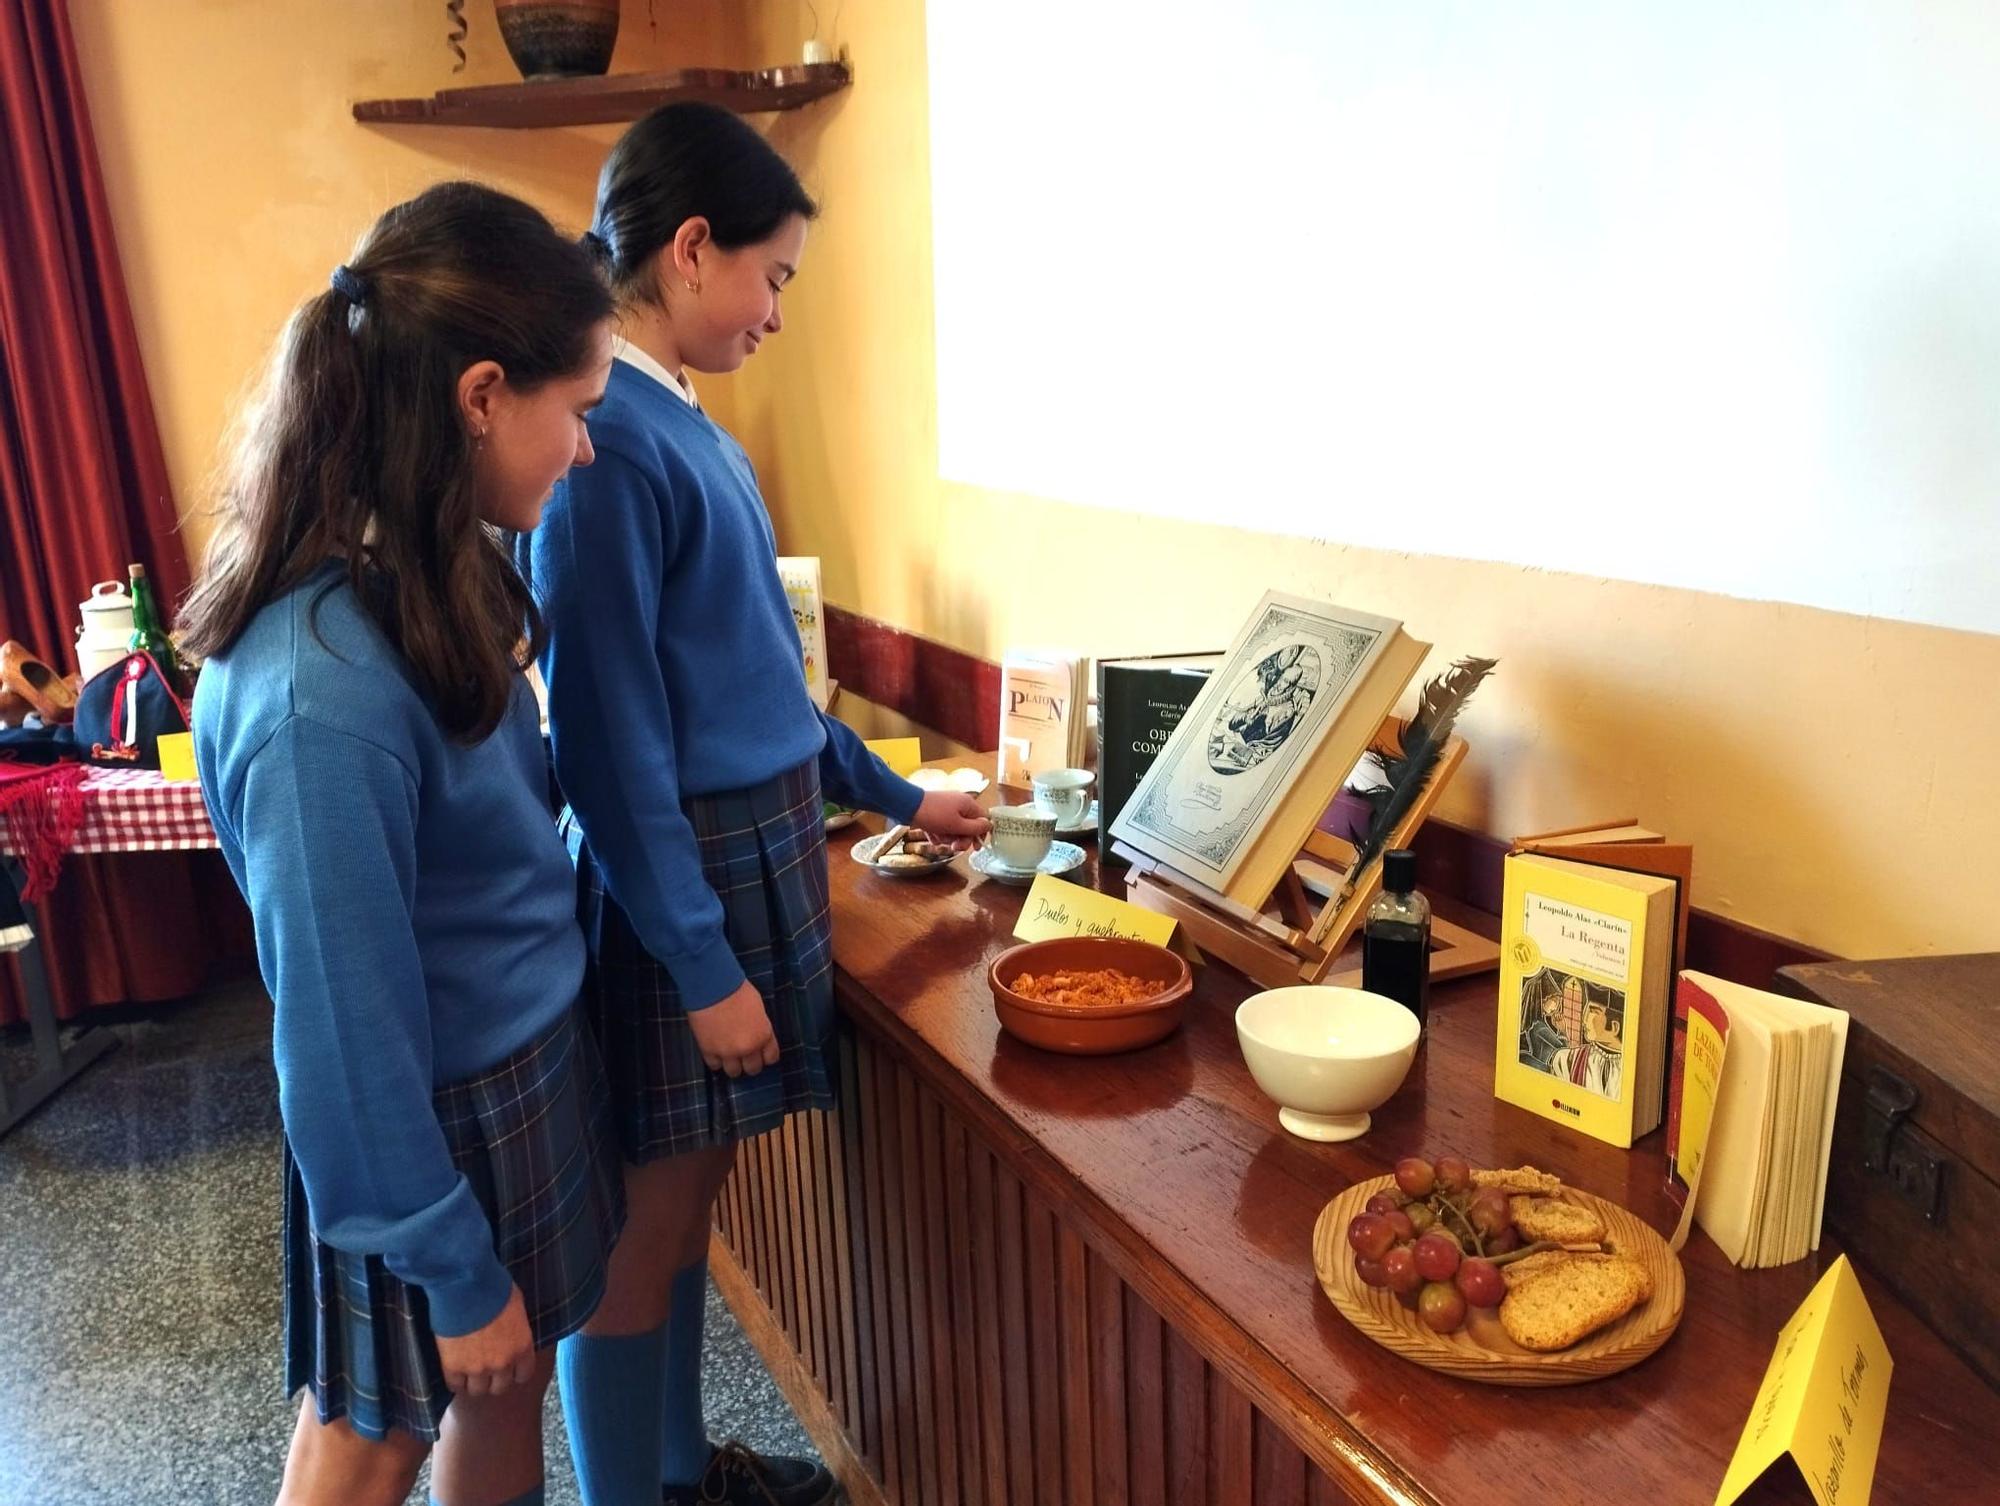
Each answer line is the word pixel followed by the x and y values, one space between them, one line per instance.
pixel 558 38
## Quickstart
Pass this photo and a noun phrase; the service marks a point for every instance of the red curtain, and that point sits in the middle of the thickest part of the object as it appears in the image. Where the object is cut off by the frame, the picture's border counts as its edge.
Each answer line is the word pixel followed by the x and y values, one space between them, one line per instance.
pixel 83 492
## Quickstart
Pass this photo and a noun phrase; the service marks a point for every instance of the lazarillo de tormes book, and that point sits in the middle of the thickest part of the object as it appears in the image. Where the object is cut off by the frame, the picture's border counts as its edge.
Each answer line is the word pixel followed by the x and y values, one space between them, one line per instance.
pixel 1586 959
pixel 1139 703
pixel 1280 724
pixel 1762 1179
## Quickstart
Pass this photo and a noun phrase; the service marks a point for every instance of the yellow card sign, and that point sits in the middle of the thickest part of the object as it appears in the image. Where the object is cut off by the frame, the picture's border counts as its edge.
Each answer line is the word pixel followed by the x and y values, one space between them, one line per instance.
pixel 901 754
pixel 1823 1397
pixel 1056 908
pixel 177 756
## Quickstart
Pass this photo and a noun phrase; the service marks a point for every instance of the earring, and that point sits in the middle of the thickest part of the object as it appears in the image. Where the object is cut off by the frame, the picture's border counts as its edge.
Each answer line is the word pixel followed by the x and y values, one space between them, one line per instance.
pixel 693 287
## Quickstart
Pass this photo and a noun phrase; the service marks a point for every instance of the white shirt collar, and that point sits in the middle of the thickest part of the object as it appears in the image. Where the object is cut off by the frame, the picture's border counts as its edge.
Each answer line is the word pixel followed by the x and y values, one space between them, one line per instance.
pixel 624 350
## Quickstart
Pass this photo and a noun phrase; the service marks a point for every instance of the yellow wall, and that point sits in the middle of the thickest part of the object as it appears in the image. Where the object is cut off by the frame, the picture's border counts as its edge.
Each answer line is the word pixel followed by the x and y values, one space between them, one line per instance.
pixel 1832 770
pixel 1835 772
pixel 238 178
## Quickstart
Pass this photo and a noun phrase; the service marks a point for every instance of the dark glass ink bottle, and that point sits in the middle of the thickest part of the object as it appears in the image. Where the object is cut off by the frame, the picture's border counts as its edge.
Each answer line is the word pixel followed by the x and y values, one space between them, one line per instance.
pixel 1396 937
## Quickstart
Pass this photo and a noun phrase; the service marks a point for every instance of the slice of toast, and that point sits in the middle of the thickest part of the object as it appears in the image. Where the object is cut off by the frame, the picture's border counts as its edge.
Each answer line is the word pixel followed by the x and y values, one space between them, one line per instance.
pixel 1512 1179
pixel 1552 1218
pixel 1517 1273
pixel 1553 1309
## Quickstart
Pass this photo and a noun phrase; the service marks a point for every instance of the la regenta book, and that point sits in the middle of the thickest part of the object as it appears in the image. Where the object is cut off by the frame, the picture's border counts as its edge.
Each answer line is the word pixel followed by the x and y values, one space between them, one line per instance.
pixel 1758 1178
pixel 1044 716
pixel 1586 975
pixel 1139 703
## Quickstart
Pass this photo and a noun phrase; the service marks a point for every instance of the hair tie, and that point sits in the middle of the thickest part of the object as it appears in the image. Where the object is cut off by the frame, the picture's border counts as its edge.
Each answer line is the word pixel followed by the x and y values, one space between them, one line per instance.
pixel 596 245
pixel 349 283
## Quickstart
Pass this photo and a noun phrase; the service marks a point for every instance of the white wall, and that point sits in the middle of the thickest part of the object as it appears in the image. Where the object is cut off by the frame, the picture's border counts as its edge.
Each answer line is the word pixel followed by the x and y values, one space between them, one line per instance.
pixel 1705 294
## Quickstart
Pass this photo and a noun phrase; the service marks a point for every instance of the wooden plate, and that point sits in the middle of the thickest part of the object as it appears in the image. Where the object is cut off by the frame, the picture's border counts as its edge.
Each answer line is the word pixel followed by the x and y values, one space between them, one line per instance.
pixel 1481 1351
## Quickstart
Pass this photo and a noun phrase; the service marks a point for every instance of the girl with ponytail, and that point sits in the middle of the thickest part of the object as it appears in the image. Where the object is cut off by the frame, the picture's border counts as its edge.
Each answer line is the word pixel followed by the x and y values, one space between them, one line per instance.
pixel 369 749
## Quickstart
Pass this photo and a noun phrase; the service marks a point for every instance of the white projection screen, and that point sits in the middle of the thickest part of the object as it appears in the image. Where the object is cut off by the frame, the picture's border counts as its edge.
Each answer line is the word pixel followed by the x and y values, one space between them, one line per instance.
pixel 1702 293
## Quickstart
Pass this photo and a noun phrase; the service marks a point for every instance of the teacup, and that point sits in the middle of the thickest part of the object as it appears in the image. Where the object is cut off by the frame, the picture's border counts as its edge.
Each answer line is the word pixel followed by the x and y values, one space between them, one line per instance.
pixel 1064 794
pixel 1021 835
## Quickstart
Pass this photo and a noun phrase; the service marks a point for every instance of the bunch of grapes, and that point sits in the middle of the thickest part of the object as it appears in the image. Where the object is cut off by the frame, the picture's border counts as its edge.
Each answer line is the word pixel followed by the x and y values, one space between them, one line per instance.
pixel 1436 1241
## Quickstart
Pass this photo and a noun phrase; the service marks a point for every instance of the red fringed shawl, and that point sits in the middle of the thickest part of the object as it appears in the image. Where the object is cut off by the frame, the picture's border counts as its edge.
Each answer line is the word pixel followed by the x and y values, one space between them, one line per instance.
pixel 42 808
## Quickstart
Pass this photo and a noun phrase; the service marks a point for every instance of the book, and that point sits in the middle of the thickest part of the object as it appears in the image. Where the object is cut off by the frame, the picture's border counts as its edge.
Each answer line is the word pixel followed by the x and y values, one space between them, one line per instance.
pixel 1139 703
pixel 1586 967
pixel 1694 1078
pixel 1280 723
pixel 1761 1194
pixel 1043 720
pixel 1626 844
pixel 800 573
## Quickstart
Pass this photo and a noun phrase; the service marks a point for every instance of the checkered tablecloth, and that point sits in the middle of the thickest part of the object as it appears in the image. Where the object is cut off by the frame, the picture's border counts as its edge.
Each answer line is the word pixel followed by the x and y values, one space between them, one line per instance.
pixel 138 810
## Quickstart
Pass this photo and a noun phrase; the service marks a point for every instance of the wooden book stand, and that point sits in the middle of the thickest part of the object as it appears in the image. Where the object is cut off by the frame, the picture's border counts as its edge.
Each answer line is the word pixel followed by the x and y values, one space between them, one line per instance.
pixel 1290 938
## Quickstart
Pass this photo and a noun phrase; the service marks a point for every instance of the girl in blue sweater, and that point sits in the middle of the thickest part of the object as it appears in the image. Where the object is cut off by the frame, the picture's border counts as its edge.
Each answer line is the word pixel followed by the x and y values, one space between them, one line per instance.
pixel 370 754
pixel 694 763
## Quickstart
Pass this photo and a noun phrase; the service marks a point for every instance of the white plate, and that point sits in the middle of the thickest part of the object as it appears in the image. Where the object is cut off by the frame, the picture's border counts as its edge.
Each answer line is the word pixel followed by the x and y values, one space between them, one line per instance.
pixel 968 780
pixel 844 819
pixel 863 852
pixel 1063 857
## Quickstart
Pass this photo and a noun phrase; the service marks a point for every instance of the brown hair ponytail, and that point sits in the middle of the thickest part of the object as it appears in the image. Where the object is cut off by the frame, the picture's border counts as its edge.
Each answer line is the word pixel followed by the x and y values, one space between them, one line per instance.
pixel 357 451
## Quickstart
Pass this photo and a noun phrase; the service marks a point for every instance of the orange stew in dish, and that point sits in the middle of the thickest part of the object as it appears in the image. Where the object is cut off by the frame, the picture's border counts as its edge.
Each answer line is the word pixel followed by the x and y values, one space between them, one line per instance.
pixel 1086 987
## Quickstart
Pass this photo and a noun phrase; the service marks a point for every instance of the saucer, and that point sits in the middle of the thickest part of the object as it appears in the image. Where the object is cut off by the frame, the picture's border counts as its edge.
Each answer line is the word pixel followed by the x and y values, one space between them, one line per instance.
pixel 863 852
pixel 1063 857
pixel 1083 827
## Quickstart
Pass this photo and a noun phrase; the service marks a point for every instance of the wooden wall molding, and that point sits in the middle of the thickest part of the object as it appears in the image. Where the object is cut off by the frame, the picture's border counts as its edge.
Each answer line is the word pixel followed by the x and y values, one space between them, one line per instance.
pixel 958 694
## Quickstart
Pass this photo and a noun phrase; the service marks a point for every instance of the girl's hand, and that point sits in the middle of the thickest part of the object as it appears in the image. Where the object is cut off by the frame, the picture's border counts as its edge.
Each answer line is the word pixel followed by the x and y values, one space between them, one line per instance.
pixel 735 1035
pixel 952 816
pixel 493 1359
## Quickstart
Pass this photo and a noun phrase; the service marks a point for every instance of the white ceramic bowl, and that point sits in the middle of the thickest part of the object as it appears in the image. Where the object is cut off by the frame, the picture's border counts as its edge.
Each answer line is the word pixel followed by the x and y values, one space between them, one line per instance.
pixel 1326 1055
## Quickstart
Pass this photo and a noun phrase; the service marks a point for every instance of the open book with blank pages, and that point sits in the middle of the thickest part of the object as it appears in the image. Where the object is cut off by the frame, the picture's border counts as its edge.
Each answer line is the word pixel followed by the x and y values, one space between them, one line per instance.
pixel 1761 1187
pixel 1282 721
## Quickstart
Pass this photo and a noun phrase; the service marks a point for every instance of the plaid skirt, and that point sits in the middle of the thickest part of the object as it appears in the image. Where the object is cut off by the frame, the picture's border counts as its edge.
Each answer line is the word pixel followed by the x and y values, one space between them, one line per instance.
pixel 763 851
pixel 533 1137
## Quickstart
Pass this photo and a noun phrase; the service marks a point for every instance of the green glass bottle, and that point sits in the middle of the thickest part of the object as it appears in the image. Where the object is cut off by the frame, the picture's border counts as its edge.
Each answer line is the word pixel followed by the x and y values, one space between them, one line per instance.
pixel 149 630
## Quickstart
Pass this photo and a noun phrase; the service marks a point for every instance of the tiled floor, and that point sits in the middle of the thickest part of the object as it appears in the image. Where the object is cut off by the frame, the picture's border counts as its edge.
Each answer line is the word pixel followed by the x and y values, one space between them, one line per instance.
pixel 139 1299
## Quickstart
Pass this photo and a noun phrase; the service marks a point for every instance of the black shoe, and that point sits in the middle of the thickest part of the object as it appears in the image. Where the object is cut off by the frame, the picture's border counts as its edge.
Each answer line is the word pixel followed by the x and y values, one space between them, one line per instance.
pixel 738 1477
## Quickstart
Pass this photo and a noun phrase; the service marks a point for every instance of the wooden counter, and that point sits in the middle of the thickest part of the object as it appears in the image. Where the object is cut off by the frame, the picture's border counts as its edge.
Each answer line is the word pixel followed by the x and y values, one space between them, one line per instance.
pixel 1005 1277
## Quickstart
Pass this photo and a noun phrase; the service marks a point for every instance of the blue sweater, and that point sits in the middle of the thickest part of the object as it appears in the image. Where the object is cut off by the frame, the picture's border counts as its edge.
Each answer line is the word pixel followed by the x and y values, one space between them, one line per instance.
pixel 673 665
pixel 415 916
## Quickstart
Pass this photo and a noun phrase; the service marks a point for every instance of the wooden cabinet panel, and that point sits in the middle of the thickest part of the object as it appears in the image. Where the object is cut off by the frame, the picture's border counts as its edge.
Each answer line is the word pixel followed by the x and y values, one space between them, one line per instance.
pixel 965 1340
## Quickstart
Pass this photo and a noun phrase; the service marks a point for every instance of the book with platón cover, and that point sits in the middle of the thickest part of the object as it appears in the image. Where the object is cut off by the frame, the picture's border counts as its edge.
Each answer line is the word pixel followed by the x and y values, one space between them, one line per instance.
pixel 1042 714
pixel 1586 957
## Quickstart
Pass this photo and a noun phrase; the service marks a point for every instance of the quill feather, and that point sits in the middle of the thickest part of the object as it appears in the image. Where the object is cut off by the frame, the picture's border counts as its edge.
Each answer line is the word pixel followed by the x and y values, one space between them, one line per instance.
pixel 1407 767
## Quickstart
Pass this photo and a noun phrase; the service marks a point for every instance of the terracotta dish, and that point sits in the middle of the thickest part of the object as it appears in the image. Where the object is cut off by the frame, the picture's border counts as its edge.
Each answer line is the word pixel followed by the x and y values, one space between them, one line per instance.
pixel 1091 1030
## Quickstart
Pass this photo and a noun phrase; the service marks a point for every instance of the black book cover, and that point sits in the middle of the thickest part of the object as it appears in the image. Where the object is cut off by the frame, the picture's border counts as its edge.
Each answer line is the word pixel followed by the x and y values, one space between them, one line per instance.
pixel 1139 703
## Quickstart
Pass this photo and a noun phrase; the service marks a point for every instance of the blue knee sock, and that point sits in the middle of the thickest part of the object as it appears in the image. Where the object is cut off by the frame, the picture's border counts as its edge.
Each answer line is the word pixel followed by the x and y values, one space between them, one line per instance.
pixel 535 1497
pixel 684 1446
pixel 611 1401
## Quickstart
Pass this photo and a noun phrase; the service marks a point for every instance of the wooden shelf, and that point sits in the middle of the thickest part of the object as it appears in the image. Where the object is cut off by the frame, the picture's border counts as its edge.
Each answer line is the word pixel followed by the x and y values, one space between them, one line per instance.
pixel 615 97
